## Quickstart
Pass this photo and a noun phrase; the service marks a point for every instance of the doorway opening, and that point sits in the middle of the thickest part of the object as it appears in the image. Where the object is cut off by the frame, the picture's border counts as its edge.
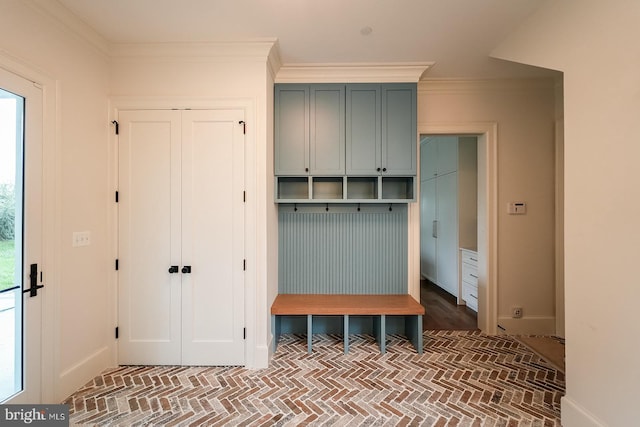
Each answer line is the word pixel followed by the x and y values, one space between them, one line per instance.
pixel 486 134
pixel 449 230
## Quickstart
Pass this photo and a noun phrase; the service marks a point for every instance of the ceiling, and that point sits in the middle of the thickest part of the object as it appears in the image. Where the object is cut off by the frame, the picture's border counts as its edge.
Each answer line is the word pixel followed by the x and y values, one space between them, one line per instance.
pixel 456 35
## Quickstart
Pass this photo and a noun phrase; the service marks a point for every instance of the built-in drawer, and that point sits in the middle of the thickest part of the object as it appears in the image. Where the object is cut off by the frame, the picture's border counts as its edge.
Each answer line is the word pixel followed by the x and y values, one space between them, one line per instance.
pixel 470 296
pixel 470 273
pixel 469 257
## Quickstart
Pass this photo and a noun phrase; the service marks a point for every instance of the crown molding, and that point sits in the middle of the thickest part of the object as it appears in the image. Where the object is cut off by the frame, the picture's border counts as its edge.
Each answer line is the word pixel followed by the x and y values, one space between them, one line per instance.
pixel 483 85
pixel 70 23
pixel 274 62
pixel 353 72
pixel 256 49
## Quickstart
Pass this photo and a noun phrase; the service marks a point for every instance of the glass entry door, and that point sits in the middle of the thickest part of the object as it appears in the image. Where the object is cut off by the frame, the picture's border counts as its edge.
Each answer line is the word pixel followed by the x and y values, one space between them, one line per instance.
pixel 21 290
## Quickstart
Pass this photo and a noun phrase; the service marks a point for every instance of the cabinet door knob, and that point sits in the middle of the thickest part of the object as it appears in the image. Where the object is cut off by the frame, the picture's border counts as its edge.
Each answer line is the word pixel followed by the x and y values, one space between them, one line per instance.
pixel 378 169
pixel 186 269
pixel 173 269
pixel 306 169
pixel 384 169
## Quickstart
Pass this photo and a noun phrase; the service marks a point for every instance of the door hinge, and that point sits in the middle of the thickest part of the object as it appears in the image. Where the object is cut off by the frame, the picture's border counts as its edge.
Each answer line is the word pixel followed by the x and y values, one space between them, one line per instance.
pixel 244 264
pixel 117 197
pixel 117 265
pixel 117 332
pixel 244 126
pixel 244 333
pixel 117 125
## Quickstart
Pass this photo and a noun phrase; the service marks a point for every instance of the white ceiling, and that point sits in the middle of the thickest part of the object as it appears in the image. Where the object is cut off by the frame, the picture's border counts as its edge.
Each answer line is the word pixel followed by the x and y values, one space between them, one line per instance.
pixel 457 35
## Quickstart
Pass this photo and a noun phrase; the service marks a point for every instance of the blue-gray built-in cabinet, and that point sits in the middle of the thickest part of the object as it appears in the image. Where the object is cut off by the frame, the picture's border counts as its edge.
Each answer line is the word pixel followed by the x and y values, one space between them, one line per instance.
pixel 345 143
pixel 345 169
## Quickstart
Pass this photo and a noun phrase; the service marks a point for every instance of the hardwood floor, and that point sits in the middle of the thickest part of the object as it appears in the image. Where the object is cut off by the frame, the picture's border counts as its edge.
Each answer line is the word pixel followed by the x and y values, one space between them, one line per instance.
pixel 442 312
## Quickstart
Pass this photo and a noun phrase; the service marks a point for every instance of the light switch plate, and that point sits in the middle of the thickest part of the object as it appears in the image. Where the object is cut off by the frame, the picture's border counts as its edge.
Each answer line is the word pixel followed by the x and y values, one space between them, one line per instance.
pixel 81 238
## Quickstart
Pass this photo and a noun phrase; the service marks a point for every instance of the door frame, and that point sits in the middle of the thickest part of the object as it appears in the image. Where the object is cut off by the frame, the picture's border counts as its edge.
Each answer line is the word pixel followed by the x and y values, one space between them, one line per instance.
pixel 251 172
pixel 51 221
pixel 487 133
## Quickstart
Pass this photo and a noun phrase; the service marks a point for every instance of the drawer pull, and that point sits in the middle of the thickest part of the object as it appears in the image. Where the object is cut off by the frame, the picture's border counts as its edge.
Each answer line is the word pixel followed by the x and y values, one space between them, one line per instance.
pixel 473 275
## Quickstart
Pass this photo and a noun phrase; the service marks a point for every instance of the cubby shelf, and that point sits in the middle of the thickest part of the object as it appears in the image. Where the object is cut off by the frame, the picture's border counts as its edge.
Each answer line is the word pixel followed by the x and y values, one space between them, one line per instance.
pixel 360 189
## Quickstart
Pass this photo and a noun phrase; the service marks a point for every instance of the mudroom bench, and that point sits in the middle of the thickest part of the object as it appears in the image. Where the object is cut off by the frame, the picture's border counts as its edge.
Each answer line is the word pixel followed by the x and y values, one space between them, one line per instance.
pixel 376 306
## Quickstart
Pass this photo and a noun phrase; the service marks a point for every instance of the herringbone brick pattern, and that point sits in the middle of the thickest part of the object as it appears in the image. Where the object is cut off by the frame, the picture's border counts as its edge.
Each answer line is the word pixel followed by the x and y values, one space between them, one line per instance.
pixel 464 378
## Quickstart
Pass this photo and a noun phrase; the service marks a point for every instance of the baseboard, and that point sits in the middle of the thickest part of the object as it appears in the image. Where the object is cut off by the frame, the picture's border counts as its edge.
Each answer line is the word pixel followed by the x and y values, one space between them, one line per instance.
pixel 262 355
pixel 573 415
pixel 533 325
pixel 78 375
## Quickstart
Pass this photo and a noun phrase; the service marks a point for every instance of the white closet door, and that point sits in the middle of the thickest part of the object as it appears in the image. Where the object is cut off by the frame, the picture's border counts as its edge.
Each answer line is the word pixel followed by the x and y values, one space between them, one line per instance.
pixel 447 252
pixel 149 222
pixel 213 238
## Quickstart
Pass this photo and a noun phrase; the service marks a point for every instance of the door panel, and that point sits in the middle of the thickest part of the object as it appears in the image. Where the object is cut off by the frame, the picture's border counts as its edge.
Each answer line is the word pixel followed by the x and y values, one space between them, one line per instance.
pixel 427 238
pixel 291 130
pixel 447 256
pixel 364 133
pixel 213 238
pixel 21 166
pixel 149 226
pixel 181 204
pixel 447 154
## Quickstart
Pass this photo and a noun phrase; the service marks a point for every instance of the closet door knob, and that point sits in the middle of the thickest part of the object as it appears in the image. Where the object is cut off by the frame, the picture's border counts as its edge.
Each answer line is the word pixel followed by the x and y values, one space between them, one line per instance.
pixel 186 269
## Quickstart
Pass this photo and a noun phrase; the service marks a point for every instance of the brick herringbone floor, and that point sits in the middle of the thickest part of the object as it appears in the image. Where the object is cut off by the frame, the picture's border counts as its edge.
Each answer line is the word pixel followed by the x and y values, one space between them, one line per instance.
pixel 464 378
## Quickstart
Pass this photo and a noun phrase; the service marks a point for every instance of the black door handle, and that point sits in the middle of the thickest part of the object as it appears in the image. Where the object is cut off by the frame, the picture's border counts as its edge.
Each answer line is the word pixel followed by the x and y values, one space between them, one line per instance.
pixel 33 281
pixel 173 269
pixel 186 269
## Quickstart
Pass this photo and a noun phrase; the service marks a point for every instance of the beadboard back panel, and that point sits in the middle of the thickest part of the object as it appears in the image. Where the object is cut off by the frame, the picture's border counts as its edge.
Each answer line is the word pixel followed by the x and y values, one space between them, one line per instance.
pixel 343 250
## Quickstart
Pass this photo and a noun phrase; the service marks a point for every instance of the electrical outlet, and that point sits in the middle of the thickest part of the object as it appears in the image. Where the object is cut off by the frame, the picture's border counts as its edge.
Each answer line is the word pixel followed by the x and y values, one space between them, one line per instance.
pixel 516 312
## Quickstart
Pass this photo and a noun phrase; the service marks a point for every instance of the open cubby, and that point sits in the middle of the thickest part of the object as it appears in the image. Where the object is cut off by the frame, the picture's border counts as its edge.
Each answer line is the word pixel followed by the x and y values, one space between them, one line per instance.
pixel 293 188
pixel 345 189
pixel 327 188
pixel 362 188
pixel 397 188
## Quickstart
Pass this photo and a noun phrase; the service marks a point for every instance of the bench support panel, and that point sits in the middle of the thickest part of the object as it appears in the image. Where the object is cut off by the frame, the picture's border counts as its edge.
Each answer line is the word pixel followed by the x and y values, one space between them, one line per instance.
pixel 380 328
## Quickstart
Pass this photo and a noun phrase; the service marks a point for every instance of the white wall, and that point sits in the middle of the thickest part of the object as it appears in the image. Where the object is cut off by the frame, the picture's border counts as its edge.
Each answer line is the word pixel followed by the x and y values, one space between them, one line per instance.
pixel 524 112
pixel 78 322
pixel 594 44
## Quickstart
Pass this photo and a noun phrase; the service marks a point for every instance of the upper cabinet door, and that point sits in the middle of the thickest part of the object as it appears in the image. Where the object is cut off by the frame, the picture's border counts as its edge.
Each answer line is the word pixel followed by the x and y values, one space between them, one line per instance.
pixel 447 154
pixel 327 130
pixel 364 130
pixel 291 125
pixel 399 129
pixel 429 158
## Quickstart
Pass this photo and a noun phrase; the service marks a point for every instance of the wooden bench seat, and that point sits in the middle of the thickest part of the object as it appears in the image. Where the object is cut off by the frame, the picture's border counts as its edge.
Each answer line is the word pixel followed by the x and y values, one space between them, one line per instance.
pixel 378 306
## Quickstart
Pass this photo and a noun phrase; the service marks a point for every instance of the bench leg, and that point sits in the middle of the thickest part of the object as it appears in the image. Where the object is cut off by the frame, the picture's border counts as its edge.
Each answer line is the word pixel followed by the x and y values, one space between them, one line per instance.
pixel 380 333
pixel 413 331
pixel 309 332
pixel 346 333
pixel 275 330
